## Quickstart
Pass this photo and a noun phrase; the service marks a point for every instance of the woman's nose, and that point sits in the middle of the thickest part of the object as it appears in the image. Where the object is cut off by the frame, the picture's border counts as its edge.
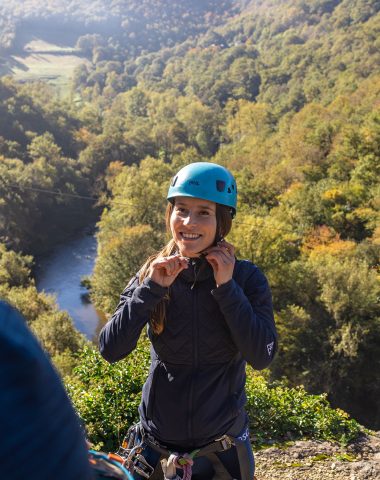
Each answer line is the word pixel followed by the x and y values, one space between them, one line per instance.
pixel 189 219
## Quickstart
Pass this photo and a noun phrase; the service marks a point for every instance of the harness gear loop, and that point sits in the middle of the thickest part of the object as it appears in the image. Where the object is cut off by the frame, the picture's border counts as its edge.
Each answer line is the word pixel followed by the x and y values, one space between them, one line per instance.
pixel 131 452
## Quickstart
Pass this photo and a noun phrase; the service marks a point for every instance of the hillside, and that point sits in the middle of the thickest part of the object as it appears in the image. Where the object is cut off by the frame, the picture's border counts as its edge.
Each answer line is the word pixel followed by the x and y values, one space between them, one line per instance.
pixel 283 93
pixel 39 146
pixel 80 31
pixel 284 53
pixel 141 25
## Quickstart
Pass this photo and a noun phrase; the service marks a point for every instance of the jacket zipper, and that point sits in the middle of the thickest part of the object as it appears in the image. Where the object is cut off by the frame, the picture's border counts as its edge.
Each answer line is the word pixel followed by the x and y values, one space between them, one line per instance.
pixel 195 357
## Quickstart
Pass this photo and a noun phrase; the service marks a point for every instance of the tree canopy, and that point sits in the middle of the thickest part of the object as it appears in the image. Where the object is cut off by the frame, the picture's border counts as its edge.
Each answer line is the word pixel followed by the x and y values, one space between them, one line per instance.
pixel 283 93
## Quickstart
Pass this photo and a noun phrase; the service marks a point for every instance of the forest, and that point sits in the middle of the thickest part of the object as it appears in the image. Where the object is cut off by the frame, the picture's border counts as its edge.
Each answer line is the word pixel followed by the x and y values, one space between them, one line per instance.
pixel 285 94
pixel 110 27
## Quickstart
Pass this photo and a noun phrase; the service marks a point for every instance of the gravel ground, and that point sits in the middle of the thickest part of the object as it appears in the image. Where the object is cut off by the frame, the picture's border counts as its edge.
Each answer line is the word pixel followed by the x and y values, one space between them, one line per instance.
pixel 312 460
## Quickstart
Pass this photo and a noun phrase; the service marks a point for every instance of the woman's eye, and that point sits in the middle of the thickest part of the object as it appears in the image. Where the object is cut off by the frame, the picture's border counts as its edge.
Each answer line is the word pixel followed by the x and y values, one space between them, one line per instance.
pixel 204 212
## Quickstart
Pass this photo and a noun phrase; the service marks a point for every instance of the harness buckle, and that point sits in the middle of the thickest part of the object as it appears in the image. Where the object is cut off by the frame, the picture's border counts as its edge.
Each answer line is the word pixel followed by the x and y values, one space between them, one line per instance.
pixel 225 442
pixel 142 467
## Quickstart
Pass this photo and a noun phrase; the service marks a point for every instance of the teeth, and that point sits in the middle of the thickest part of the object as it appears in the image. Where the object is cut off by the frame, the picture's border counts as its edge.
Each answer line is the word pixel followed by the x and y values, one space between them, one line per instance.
pixel 190 235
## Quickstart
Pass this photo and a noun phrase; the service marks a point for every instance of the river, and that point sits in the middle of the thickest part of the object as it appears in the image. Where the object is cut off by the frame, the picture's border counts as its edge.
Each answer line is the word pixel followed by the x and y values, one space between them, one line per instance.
pixel 60 272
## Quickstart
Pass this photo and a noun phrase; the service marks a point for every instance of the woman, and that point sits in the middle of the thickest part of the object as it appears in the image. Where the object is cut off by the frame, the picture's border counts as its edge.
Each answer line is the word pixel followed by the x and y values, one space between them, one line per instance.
pixel 207 315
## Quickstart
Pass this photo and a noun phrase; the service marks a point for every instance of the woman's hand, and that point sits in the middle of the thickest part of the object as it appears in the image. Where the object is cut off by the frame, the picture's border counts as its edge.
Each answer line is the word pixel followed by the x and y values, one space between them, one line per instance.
pixel 222 259
pixel 165 270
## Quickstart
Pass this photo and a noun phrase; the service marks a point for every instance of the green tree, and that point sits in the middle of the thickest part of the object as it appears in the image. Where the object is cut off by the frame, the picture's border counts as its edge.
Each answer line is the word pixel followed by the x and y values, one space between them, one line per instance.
pixel 119 259
pixel 330 330
pixel 14 268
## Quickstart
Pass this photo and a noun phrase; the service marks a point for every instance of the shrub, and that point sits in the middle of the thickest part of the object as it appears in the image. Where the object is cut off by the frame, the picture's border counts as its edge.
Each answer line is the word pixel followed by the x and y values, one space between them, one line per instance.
pixel 107 397
pixel 278 412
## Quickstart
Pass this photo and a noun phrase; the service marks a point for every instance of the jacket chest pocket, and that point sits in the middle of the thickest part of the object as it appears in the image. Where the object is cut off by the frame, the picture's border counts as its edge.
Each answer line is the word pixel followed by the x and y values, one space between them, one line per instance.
pixel 174 344
pixel 215 342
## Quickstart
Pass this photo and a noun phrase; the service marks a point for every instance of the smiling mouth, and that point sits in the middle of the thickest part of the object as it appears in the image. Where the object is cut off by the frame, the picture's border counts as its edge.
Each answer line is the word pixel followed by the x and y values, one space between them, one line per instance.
pixel 190 236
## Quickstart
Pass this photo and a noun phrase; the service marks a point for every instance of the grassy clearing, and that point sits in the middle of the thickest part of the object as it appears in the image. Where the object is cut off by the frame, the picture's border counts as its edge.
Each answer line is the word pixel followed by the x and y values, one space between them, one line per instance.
pixel 48 62
pixel 41 46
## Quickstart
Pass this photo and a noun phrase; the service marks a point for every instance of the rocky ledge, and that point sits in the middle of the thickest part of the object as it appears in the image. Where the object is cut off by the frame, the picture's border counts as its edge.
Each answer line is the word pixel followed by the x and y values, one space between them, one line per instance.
pixel 314 460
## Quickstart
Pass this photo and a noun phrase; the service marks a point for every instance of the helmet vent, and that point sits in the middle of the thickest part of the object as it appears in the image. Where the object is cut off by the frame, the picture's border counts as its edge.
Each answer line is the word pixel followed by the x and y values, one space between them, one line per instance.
pixel 174 181
pixel 220 185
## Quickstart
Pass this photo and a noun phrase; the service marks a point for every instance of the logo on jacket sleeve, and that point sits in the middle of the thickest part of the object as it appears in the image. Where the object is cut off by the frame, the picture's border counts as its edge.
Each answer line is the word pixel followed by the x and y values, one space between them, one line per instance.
pixel 245 435
pixel 270 348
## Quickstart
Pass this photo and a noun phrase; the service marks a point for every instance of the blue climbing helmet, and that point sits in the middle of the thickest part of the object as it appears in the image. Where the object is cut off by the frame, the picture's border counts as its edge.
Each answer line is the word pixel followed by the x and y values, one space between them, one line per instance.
pixel 205 180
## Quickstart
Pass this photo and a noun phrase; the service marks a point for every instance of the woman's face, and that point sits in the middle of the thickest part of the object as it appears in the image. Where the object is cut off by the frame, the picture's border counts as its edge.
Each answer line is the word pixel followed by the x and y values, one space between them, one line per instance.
pixel 193 225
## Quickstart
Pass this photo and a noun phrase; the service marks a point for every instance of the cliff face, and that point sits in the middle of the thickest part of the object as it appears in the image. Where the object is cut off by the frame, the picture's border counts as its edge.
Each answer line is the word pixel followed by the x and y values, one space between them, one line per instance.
pixel 313 460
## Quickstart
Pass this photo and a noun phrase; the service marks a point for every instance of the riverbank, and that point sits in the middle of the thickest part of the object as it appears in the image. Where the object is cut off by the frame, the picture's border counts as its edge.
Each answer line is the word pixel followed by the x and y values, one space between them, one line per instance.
pixel 60 273
pixel 314 460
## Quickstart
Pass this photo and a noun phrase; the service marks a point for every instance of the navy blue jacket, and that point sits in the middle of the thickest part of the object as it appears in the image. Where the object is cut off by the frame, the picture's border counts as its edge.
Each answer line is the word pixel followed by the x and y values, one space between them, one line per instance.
pixel 40 434
pixel 195 389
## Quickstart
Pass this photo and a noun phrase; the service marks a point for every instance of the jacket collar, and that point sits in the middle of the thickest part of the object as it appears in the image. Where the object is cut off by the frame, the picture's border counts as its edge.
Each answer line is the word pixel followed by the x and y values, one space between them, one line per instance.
pixel 198 270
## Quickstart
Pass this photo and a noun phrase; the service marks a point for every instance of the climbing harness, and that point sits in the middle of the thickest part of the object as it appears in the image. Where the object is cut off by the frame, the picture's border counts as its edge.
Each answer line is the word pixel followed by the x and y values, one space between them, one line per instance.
pixel 136 440
pixel 131 449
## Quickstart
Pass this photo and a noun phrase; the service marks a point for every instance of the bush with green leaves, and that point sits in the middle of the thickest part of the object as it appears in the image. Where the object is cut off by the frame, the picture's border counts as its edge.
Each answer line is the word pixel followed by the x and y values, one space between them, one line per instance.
pixel 278 412
pixel 107 397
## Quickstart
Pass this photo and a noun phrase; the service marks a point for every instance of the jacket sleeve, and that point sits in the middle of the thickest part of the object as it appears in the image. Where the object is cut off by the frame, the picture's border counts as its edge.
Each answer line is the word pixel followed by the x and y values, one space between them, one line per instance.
pixel 249 315
pixel 120 335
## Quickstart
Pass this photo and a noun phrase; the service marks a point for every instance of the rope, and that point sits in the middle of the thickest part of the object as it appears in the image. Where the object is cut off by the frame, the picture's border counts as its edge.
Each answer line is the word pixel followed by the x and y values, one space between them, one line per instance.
pixel 185 462
pixel 114 202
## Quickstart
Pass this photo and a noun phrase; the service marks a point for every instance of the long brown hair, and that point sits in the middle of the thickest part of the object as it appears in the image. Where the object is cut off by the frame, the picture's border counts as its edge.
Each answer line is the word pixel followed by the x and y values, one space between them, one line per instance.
pixel 223 227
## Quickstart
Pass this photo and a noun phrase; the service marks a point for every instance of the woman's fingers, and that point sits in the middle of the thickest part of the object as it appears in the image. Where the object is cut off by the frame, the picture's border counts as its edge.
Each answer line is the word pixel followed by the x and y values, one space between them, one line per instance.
pixel 176 264
pixel 172 265
pixel 228 247
pixel 164 270
pixel 219 252
pixel 222 259
pixel 224 247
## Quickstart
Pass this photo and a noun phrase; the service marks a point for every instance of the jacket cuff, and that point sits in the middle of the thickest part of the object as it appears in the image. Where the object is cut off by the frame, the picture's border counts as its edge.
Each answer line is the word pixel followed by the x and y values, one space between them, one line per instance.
pixel 148 294
pixel 154 288
pixel 222 292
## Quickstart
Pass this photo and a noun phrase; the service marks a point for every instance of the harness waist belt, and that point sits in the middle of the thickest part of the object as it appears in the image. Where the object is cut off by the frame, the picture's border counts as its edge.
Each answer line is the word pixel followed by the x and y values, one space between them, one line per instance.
pixel 218 445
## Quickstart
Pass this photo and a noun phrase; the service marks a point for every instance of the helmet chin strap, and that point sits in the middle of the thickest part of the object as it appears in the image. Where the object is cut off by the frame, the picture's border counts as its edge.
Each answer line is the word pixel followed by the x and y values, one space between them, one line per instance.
pixel 203 253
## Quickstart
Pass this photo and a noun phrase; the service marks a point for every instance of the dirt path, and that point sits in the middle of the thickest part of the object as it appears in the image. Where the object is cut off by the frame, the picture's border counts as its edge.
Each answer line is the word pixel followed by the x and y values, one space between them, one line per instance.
pixel 312 460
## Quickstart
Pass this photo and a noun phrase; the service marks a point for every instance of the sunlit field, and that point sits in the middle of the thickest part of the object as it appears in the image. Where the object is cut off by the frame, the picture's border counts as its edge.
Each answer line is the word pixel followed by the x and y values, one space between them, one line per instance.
pixel 49 62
